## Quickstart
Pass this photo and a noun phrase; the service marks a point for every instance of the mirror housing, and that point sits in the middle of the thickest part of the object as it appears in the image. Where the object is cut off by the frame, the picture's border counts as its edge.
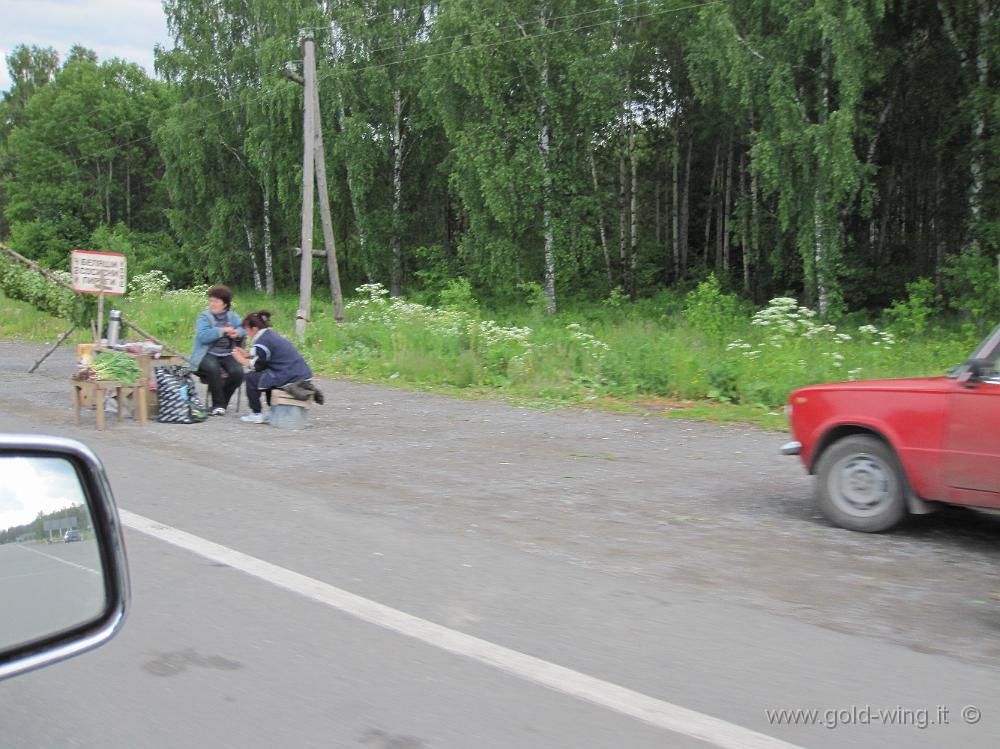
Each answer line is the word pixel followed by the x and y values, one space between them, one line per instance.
pixel 974 369
pixel 74 635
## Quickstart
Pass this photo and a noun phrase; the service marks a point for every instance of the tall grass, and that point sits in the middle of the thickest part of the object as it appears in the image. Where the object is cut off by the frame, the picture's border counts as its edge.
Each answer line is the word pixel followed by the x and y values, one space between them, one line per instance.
pixel 702 346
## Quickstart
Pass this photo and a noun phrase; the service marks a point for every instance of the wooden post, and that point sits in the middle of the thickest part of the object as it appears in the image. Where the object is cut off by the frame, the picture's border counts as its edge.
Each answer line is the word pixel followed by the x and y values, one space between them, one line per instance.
pixel 99 330
pixel 324 211
pixel 308 160
pixel 153 338
pixel 100 307
pixel 49 352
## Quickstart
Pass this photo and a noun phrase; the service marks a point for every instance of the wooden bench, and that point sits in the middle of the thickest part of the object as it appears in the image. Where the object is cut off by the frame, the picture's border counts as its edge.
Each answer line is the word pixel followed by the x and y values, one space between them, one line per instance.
pixel 87 392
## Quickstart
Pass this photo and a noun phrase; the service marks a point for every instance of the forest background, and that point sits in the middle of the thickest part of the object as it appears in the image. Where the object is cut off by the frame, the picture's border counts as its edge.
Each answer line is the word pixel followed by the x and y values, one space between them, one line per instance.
pixel 637 195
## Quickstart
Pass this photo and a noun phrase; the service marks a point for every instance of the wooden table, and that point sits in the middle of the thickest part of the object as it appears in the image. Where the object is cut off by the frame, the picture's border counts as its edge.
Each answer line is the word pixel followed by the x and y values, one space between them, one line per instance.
pixel 87 391
pixel 146 364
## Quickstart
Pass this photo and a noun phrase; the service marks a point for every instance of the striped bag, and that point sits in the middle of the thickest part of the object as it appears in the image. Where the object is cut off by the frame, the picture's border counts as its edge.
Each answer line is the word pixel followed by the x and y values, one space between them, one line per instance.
pixel 179 401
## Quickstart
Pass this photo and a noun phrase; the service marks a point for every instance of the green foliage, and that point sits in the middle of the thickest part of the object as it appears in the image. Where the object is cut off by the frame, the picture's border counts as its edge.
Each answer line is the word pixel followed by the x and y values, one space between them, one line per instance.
pixel 437 269
pixel 534 297
pixel 710 311
pixel 834 151
pixel 20 282
pixel 616 300
pixel 146 252
pixel 972 280
pixel 723 382
pixel 150 285
pixel 911 317
pixel 785 347
pixel 80 156
pixel 457 295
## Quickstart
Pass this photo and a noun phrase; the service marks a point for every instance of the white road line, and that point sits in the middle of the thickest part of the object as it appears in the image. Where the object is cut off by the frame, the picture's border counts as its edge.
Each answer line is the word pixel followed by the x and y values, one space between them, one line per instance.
pixel 612 696
pixel 71 564
pixel 28 574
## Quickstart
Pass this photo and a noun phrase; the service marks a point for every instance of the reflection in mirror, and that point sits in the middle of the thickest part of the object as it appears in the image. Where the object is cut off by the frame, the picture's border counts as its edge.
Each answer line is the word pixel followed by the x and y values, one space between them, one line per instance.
pixel 50 564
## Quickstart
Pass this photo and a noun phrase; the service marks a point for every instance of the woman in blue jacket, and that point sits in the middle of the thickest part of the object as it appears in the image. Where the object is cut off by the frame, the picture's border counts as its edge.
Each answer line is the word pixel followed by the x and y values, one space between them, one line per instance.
pixel 217 333
pixel 274 360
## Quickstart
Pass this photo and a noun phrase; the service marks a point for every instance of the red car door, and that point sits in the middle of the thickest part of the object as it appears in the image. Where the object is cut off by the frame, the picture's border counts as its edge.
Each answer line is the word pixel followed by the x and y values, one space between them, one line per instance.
pixel 973 438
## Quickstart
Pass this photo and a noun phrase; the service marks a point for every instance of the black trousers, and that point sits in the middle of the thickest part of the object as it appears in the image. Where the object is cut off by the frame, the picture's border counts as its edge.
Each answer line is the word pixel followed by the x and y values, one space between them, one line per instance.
pixel 224 376
pixel 254 390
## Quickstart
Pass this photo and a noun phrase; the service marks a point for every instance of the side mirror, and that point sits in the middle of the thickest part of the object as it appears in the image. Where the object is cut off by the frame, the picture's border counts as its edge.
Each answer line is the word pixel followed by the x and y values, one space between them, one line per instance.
pixel 63 574
pixel 974 369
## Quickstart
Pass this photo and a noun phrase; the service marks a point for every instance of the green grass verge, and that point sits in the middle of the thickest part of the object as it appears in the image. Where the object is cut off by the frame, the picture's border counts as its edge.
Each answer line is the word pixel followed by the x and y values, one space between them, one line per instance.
pixel 702 356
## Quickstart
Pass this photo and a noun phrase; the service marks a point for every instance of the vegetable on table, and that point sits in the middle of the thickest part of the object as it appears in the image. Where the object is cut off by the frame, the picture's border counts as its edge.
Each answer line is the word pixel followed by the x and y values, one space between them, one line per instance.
pixel 117 366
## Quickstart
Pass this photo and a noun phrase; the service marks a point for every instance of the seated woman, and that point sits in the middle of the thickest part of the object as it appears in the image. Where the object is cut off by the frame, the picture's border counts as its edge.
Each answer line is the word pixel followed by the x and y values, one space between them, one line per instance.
pixel 217 333
pixel 274 360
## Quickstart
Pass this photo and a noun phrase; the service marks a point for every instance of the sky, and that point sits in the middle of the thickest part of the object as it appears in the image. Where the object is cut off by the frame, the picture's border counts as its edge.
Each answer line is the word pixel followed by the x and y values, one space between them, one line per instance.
pixel 33 485
pixel 128 29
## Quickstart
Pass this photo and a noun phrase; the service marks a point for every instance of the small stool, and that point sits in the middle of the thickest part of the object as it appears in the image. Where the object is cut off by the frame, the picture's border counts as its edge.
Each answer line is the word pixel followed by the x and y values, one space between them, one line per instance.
pixel 94 391
pixel 208 391
pixel 288 412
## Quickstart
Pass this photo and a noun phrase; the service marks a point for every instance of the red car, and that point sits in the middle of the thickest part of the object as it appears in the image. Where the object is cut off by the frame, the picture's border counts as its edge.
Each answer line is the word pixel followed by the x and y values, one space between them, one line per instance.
pixel 883 448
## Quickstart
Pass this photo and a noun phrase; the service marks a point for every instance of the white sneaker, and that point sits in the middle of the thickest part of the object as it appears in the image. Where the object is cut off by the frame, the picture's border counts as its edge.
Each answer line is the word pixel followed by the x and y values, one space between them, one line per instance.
pixel 254 419
pixel 219 411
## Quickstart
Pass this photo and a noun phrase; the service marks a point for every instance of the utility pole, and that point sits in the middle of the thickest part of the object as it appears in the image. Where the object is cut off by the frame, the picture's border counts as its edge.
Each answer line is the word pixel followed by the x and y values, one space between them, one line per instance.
pixel 308 159
pixel 324 211
pixel 314 167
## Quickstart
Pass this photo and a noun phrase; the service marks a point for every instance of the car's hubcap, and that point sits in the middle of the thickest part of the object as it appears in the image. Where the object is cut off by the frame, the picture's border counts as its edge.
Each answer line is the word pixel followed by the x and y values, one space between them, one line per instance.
pixel 863 484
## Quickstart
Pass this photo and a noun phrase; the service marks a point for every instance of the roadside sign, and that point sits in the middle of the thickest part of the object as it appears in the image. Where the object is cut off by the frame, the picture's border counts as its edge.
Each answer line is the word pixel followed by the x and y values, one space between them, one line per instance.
pixel 96 272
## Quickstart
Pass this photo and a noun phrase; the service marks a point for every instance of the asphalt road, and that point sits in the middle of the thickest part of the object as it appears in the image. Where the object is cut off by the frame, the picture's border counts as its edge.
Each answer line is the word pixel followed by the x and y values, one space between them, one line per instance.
pixel 33 576
pixel 415 571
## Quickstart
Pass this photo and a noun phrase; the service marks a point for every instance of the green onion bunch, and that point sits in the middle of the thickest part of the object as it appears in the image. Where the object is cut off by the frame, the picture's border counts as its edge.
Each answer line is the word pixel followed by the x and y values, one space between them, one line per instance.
pixel 117 366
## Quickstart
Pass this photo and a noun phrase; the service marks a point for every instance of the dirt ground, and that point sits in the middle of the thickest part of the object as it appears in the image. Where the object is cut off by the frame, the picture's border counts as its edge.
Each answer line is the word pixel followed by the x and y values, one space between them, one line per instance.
pixel 716 509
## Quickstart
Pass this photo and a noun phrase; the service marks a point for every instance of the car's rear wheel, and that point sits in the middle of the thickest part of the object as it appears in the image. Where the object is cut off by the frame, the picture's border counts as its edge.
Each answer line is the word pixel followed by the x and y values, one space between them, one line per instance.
pixel 861 485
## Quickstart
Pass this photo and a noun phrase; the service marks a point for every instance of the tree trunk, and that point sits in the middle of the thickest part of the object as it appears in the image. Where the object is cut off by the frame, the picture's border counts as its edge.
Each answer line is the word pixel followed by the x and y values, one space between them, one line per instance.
pixel 822 228
pixel 711 202
pixel 326 219
pixel 657 220
pixel 888 206
pixel 720 222
pixel 544 137
pixel 819 257
pixel 982 78
pixel 675 201
pixel 744 222
pixel 978 71
pixel 398 137
pixel 633 253
pixel 727 207
pixel 754 217
pixel 268 259
pixel 622 197
pixel 600 215
pixel 128 192
pixel 938 238
pixel 107 192
pixel 355 200
pixel 251 250
pixel 686 205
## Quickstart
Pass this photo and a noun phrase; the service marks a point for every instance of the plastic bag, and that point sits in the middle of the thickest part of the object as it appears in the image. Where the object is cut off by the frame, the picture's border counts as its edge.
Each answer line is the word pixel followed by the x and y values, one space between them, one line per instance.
pixel 178 400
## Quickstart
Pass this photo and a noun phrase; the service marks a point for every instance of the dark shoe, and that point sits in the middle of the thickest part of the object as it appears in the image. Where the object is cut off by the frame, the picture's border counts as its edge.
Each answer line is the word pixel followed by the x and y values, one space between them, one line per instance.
pixel 302 390
pixel 318 396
